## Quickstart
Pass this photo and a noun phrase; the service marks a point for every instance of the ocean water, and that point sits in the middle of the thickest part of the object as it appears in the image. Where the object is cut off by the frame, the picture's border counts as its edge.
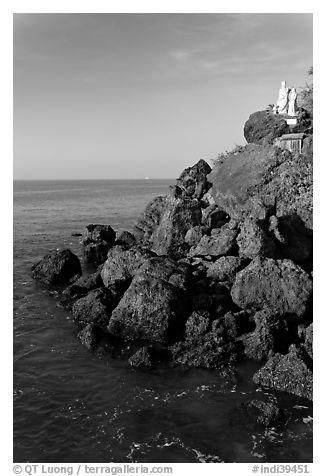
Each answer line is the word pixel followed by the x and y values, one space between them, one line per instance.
pixel 71 405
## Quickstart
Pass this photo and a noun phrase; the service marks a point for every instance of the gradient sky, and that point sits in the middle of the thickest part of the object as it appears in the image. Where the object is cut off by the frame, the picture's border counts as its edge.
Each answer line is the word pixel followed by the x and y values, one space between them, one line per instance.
pixel 134 95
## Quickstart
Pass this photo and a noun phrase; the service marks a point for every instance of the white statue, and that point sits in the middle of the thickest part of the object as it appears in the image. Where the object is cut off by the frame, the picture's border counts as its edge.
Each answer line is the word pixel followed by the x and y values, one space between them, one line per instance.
pixel 282 100
pixel 292 111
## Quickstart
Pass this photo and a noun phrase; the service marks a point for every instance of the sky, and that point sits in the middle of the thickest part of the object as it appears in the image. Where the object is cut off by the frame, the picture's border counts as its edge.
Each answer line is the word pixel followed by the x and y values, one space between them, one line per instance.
pixel 132 95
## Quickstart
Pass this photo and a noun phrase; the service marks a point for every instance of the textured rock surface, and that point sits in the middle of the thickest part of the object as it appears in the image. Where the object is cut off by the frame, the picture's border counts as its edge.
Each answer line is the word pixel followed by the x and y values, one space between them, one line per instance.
pixel 265 413
pixel 89 336
pixel 253 241
pixel 261 180
pixel 154 306
pixel 225 268
pixel 122 263
pixel 149 221
pixel 221 242
pixel 179 216
pixel 95 308
pixel 57 268
pixel 97 239
pixel 263 127
pixel 279 285
pixel 197 324
pixel 142 358
pixel 193 182
pixel 290 373
pixel 270 336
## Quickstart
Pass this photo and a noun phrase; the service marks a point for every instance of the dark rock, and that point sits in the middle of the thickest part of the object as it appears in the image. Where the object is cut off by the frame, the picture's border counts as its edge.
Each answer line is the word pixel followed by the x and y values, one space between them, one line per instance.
pixel 126 238
pixel 95 233
pixel 89 336
pixel 154 307
pixel 260 181
pixel 279 285
pixel 97 239
pixel 142 358
pixel 96 252
pixel 121 265
pixel 289 373
pixel 149 221
pixel 193 181
pixel 57 268
pixel 221 242
pixel 265 413
pixel 197 324
pixel 294 238
pixel 179 216
pixel 270 336
pixel 264 127
pixel 194 235
pixel 306 334
pixel 95 308
pixel 80 288
pixel 225 268
pixel 253 241
pixel 162 267
pixel 76 234
pixel 208 351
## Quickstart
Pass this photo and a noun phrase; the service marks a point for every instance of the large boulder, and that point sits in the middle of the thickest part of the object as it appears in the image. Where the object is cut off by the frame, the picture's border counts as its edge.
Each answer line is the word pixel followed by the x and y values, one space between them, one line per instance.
pixel 122 263
pixel 97 239
pixel 95 307
pixel 225 268
pixel 280 285
pixel 254 241
pixel 80 288
pixel 263 413
pixel 179 216
pixel 149 220
pixel 154 307
pixel 221 242
pixel 289 373
pixel 263 127
pixel 193 182
pixel 142 358
pixel 57 267
pixel 270 336
pixel 259 181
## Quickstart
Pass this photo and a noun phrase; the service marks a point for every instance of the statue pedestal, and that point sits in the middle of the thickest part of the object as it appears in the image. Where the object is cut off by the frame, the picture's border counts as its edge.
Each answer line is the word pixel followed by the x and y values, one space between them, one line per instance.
pixel 292 121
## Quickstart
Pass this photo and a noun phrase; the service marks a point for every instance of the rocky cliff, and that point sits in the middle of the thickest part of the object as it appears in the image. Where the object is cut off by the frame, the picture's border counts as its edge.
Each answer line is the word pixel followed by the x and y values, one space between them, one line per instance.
pixel 218 270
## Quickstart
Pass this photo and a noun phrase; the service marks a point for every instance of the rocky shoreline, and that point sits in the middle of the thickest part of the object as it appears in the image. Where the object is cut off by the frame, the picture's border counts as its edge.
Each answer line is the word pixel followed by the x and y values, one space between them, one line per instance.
pixel 217 271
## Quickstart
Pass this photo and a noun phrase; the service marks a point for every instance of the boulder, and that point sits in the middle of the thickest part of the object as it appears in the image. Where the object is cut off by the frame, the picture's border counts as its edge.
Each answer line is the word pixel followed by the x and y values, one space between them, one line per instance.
pixel 126 239
pixel 263 413
pixel 179 216
pixel 194 235
pixel 154 307
pixel 260 181
pixel 95 308
pixel 121 265
pixel 306 335
pixel 95 233
pixel 225 268
pixel 89 336
pixel 289 373
pixel 57 267
pixel 254 241
pixel 149 220
pixel 208 351
pixel 97 239
pixel 197 324
pixel 80 288
pixel 280 285
pixel 221 242
pixel 142 358
pixel 193 182
pixel 263 127
pixel 270 336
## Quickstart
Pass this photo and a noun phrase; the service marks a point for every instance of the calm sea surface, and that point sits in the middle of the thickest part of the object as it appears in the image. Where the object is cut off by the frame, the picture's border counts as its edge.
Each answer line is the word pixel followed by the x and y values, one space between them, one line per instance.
pixel 74 406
